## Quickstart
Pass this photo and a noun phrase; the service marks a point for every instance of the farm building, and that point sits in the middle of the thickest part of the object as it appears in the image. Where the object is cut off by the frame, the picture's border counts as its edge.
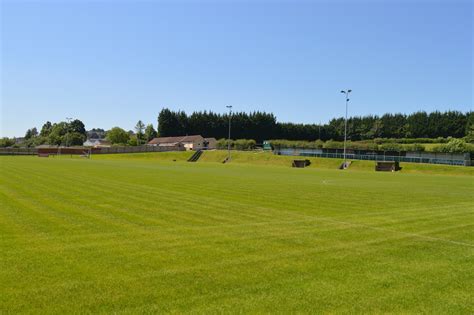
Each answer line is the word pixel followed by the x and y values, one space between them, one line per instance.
pixel 195 142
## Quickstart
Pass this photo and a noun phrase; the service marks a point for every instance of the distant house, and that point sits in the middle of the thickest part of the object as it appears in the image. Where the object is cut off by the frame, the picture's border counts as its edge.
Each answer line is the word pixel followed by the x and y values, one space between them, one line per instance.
pixel 195 142
pixel 19 140
pixel 211 143
pixel 97 143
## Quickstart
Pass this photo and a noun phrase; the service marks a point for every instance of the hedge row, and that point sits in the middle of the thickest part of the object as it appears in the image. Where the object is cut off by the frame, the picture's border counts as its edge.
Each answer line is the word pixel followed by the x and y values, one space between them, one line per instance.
pixel 239 144
pixel 451 146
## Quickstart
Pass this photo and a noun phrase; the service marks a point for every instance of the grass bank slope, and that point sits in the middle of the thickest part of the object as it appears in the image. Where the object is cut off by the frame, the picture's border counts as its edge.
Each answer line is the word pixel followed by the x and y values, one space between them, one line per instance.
pixel 270 159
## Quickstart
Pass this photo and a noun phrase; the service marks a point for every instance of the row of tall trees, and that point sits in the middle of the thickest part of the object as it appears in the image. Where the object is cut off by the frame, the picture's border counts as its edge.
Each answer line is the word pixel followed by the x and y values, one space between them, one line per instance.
pixel 262 126
pixel 256 125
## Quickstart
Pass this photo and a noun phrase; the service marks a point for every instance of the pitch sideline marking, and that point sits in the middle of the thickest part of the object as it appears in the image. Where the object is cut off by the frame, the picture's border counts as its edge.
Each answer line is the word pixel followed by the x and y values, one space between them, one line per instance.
pixel 390 230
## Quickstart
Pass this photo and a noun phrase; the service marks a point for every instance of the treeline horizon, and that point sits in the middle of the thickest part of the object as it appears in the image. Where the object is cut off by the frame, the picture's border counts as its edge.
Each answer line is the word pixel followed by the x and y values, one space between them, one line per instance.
pixel 262 126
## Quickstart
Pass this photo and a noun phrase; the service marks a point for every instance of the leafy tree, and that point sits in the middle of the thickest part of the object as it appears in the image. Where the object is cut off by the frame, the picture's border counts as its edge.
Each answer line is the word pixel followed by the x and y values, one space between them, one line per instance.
pixel 30 133
pixel 6 142
pixel 75 138
pixel 470 127
pixel 58 133
pixel 132 141
pixel 55 139
pixel 46 129
pixel 95 133
pixel 139 127
pixel 150 132
pixel 117 135
pixel 77 126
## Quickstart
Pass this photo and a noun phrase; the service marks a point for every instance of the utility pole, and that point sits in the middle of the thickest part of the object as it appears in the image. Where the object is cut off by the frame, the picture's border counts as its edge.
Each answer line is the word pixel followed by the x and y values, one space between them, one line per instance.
pixel 228 141
pixel 346 93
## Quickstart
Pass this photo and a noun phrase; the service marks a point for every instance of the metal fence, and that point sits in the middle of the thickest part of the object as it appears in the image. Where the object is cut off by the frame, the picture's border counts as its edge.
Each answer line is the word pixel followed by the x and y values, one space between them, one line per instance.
pixel 443 158
pixel 112 150
pixel 80 150
pixel 18 151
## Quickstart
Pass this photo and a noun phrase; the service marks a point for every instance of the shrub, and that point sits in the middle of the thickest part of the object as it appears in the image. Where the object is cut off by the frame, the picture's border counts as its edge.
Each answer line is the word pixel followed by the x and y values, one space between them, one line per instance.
pixel 362 146
pixel 244 144
pixel 222 143
pixel 331 144
pixel 413 147
pixel 239 144
pixel 391 147
pixel 453 146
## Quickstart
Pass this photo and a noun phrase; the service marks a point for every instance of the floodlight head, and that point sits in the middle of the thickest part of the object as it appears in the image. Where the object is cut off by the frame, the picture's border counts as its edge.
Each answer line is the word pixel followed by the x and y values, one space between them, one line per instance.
pixel 229 106
pixel 343 91
pixel 349 91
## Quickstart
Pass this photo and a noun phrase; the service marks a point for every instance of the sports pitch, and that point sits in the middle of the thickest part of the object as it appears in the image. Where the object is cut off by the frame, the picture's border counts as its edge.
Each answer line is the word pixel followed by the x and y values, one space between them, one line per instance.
pixel 146 234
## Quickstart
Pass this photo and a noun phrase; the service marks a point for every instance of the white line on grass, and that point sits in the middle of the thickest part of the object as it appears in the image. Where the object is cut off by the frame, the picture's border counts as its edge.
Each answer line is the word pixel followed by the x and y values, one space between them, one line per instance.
pixel 319 218
pixel 389 230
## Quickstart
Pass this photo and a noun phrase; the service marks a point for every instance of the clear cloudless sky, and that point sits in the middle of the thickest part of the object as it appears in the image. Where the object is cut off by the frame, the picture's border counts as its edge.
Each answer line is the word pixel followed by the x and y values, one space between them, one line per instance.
pixel 111 63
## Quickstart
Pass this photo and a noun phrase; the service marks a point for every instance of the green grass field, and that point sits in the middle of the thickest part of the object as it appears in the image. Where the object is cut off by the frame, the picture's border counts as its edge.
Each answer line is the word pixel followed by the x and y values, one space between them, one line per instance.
pixel 142 233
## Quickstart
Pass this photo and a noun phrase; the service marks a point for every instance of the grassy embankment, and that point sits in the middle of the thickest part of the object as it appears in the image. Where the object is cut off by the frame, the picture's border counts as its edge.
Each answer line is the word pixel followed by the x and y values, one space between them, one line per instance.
pixel 269 159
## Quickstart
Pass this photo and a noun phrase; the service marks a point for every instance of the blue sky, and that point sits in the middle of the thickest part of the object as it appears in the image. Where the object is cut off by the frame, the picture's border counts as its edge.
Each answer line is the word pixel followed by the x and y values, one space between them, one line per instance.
pixel 111 63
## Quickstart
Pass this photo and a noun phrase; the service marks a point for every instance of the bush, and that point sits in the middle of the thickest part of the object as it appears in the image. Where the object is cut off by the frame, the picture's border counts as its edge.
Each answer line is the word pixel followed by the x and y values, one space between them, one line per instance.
pixel 454 146
pixel 75 138
pixel 132 141
pixel 362 145
pixel 244 144
pixel 411 140
pixel 331 144
pixel 413 147
pixel 239 144
pixel 222 143
pixel 391 147
pixel 117 135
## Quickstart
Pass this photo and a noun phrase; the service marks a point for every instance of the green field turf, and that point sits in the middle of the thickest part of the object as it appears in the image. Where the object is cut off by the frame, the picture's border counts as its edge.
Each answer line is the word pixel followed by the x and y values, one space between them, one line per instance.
pixel 145 234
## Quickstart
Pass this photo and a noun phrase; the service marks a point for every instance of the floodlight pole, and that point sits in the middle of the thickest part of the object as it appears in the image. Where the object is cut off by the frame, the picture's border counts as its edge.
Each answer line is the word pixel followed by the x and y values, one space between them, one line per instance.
pixel 67 134
pixel 346 93
pixel 228 141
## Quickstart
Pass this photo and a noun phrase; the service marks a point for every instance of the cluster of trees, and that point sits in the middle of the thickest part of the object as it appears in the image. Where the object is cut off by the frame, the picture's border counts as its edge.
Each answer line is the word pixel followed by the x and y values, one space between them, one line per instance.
pixel 6 142
pixel 74 133
pixel 142 135
pixel 262 126
pixel 61 133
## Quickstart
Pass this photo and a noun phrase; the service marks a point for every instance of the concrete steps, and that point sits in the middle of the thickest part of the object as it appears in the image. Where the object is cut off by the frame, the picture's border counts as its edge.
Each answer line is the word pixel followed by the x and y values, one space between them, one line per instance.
pixel 195 156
